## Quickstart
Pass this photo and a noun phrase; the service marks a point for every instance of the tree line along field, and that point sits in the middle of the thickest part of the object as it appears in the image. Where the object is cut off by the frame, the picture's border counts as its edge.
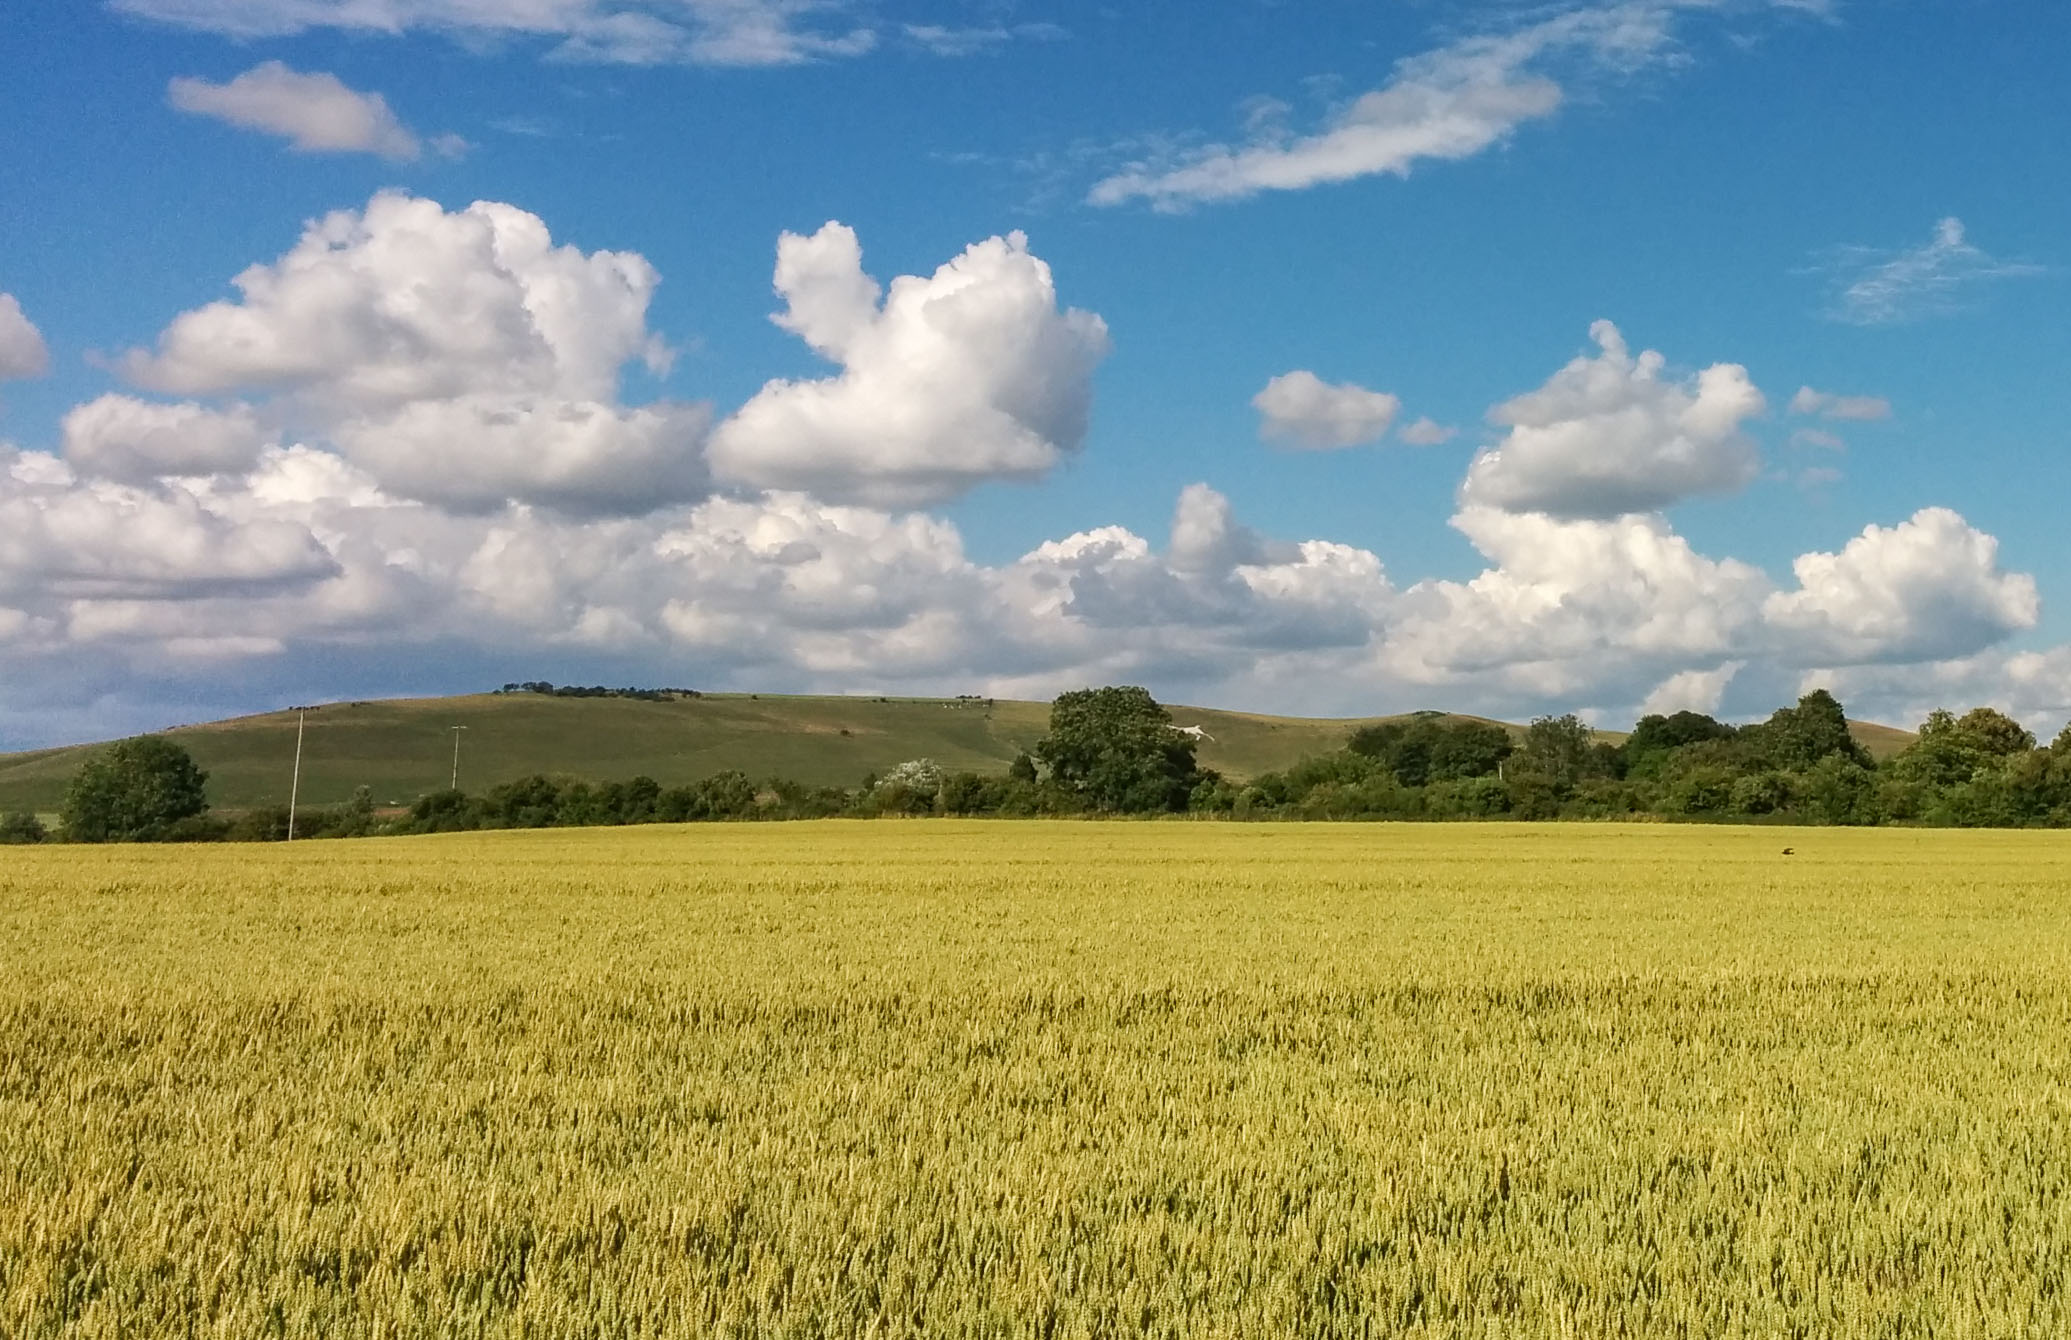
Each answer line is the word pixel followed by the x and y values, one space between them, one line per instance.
pixel 1041 1079
pixel 403 748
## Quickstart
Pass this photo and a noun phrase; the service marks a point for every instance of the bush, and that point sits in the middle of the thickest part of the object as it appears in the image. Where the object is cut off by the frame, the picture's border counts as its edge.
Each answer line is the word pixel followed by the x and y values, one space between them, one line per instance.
pixel 1214 795
pixel 728 795
pixel 1761 793
pixel 794 800
pixel 355 818
pixel 1838 790
pixel 1428 748
pixel 634 802
pixel 910 788
pixel 1468 798
pixel 194 828
pixel 529 802
pixel 443 812
pixel 1328 800
pixel 963 793
pixel 21 830
pixel 1604 798
pixel 724 795
pixel 1700 790
pixel 266 823
pixel 1020 799
pixel 1534 795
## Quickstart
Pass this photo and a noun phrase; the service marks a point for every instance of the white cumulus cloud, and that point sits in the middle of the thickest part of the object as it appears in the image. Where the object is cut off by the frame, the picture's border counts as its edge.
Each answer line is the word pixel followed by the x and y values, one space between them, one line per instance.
pixel 313 112
pixel 460 356
pixel 405 439
pixel 1574 607
pixel 1221 601
pixel 405 301
pixel 22 351
pixel 122 437
pixel 2034 687
pixel 969 375
pixel 62 537
pixel 1302 409
pixel 1929 588
pixel 580 455
pixel 307 556
pixel 1691 691
pixel 1611 434
pixel 788 584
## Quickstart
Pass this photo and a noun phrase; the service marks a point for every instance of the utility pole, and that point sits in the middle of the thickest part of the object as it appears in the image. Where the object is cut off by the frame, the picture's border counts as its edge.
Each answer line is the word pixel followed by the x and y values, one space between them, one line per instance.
pixel 454 785
pixel 295 786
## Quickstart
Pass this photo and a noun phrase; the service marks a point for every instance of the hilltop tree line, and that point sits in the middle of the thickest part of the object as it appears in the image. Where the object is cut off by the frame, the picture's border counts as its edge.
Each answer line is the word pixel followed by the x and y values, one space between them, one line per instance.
pixel 1115 751
pixel 549 689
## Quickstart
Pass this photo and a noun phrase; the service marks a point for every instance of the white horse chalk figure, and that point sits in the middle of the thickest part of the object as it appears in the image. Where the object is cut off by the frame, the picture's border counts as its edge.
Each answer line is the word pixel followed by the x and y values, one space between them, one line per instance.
pixel 1195 732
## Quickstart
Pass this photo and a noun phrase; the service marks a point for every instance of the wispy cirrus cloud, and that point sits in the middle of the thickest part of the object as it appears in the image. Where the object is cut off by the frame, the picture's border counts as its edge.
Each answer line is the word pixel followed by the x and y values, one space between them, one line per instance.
pixel 1452 102
pixel 1873 287
pixel 623 32
pixel 1851 408
pixel 940 40
pixel 1427 432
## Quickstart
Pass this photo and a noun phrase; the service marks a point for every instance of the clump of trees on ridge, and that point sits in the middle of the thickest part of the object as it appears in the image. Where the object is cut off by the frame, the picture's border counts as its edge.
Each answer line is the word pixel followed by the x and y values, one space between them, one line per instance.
pixel 548 689
pixel 1115 751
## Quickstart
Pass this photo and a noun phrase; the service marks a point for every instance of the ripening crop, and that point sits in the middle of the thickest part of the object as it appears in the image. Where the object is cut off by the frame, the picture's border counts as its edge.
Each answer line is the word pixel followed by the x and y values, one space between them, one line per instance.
pixel 1041 1079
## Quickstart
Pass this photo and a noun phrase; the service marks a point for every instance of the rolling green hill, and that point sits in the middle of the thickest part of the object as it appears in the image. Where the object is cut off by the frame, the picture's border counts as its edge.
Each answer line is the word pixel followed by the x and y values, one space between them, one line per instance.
pixel 403 748
pixel 1881 741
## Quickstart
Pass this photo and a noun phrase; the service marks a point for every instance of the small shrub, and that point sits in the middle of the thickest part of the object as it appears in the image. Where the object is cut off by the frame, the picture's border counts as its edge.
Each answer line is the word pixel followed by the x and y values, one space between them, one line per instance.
pixel 21 830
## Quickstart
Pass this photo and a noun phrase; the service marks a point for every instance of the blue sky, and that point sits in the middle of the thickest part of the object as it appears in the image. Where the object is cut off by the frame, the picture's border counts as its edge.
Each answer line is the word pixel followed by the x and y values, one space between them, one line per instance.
pixel 1228 267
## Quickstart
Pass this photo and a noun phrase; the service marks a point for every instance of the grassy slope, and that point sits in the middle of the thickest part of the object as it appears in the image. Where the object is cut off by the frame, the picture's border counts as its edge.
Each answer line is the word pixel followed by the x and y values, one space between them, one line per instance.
pixel 404 747
pixel 1881 741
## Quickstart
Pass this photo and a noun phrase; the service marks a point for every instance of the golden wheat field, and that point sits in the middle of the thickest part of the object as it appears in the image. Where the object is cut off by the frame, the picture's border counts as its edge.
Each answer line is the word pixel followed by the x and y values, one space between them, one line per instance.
pixel 1029 1079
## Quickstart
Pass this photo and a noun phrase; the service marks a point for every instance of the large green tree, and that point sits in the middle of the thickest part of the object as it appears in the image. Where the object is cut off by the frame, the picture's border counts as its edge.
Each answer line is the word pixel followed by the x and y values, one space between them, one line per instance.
pixel 1432 749
pixel 1559 749
pixel 1116 750
pixel 1656 737
pixel 1796 738
pixel 137 791
pixel 1949 750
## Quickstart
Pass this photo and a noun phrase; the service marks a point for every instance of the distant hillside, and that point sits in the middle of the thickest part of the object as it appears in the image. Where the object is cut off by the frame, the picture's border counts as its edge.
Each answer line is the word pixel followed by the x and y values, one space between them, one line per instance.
pixel 403 748
pixel 1881 741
